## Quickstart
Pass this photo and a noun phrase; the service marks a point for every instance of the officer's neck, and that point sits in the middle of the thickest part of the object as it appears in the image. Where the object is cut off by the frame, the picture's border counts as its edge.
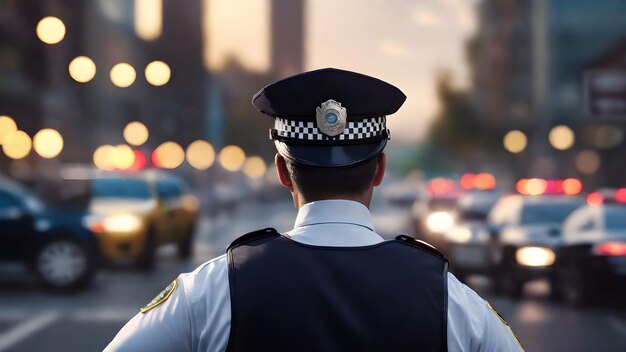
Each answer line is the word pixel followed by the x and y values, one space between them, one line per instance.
pixel 364 198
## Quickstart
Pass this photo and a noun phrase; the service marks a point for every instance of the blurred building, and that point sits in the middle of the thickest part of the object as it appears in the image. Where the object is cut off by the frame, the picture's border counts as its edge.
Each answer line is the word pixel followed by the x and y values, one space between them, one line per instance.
pixel 287 36
pixel 528 57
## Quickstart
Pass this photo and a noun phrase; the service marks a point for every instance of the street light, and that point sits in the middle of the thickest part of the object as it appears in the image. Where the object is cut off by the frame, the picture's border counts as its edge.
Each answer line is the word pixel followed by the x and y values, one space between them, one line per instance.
pixel 123 157
pixel 48 143
pixel 50 30
pixel 82 69
pixel 231 158
pixel 158 73
pixel 561 137
pixel 17 145
pixel 103 157
pixel 515 141
pixel 254 167
pixel 587 162
pixel 169 155
pixel 7 126
pixel 123 75
pixel 200 155
pixel 135 133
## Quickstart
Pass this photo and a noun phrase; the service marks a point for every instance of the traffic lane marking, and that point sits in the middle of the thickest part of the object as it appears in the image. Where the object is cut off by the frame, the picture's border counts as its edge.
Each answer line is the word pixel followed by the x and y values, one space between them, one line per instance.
pixel 27 328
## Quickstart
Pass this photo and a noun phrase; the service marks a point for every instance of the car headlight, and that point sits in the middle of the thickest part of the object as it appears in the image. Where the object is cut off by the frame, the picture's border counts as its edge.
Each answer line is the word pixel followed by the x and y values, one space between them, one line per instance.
pixel 535 256
pixel 459 235
pixel 439 221
pixel 121 223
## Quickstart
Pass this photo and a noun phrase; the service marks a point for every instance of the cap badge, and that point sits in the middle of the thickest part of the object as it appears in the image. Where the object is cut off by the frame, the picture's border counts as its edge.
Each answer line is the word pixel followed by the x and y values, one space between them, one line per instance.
pixel 331 118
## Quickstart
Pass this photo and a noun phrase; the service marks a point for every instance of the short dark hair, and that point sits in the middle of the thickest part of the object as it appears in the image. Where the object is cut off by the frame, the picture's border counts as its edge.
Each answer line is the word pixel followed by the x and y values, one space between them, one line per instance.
pixel 316 183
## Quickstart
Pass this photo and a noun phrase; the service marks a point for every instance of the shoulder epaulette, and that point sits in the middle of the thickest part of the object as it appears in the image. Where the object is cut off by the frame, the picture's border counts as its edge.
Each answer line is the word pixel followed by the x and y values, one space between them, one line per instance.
pixel 422 245
pixel 252 236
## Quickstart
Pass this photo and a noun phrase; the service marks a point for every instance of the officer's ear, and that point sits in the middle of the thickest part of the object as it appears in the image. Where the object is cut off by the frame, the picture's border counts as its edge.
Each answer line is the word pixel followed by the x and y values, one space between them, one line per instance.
pixel 283 173
pixel 379 173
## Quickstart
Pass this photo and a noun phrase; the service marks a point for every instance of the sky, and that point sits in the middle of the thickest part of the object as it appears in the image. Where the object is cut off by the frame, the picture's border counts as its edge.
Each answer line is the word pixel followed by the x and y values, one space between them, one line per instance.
pixel 404 42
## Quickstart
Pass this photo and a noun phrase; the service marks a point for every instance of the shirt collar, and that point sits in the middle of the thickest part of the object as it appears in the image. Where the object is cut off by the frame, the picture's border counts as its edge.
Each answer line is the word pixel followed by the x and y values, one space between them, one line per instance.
pixel 334 212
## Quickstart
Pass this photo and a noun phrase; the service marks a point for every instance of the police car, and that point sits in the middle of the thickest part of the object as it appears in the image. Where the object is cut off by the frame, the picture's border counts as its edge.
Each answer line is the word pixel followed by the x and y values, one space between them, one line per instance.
pixel 467 241
pixel 527 227
pixel 592 257
pixel 434 213
pixel 57 245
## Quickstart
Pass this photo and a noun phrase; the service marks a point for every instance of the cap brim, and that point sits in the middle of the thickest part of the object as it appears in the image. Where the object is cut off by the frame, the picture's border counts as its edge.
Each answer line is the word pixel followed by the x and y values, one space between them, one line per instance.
pixel 329 156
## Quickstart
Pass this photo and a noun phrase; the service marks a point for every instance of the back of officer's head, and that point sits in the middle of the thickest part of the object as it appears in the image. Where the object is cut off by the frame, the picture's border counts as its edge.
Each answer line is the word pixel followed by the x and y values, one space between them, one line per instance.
pixel 330 132
pixel 317 183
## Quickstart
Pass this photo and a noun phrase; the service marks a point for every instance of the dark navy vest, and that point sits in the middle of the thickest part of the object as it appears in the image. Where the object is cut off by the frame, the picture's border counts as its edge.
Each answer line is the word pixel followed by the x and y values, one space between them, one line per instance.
pixel 289 296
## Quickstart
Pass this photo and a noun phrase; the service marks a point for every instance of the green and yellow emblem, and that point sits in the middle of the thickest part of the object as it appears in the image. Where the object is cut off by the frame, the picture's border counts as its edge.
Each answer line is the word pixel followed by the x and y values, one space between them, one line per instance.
pixel 160 298
pixel 505 323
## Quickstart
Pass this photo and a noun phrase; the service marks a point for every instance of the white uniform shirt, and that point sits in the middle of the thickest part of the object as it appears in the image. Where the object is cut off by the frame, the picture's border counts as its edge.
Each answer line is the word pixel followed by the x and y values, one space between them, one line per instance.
pixel 196 317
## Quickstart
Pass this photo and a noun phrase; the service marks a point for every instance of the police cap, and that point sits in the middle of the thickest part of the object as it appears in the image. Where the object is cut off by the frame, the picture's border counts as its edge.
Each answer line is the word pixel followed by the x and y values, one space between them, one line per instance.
pixel 329 117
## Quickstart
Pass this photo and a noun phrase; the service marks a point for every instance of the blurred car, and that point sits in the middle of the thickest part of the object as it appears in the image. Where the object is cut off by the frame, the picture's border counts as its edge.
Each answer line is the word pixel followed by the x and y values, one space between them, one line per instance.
pixel 592 258
pixel 433 214
pixel 467 241
pixel 133 213
pixel 525 229
pixel 56 244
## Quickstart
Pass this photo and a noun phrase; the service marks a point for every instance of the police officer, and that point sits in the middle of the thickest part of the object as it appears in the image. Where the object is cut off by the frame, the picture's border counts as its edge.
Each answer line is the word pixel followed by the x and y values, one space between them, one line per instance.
pixel 332 283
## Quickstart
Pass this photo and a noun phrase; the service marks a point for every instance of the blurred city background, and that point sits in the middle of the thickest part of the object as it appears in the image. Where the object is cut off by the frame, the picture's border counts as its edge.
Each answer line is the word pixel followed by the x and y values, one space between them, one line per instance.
pixel 131 151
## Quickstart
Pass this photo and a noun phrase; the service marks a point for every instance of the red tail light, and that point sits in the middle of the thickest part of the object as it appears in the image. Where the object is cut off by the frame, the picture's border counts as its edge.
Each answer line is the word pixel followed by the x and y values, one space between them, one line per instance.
pixel 620 195
pixel 595 198
pixel 613 249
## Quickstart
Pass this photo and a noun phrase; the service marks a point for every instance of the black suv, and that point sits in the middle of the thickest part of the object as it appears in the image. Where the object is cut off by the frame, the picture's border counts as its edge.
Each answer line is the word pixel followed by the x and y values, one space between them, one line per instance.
pixel 55 243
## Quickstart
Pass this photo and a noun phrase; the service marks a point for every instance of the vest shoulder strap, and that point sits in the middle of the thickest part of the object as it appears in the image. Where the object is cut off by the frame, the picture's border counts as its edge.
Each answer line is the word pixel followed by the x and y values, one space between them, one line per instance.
pixel 251 236
pixel 427 247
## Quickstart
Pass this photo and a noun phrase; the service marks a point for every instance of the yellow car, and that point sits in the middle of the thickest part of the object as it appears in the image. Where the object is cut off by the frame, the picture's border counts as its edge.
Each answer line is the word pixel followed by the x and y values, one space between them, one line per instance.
pixel 132 214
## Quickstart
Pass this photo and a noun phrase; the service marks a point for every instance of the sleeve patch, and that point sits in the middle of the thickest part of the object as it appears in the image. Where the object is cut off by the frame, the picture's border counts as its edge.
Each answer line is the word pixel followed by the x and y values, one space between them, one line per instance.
pixel 505 323
pixel 496 313
pixel 161 297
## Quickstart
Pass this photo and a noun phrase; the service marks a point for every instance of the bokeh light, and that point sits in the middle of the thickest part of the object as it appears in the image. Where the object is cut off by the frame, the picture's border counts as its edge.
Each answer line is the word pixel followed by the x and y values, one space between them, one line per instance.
pixel 103 157
pixel 231 158
pixel 515 141
pixel 485 181
pixel 467 181
pixel 607 137
pixel 123 157
pixel 48 143
pixel 200 155
pixel 254 167
pixel 595 198
pixel 439 186
pixel 140 161
pixel 158 73
pixel 136 133
pixel 50 30
pixel 587 162
pixel 123 75
pixel 536 186
pixel 16 145
pixel 561 137
pixel 572 186
pixel 82 69
pixel 168 155
pixel 148 19
pixel 7 126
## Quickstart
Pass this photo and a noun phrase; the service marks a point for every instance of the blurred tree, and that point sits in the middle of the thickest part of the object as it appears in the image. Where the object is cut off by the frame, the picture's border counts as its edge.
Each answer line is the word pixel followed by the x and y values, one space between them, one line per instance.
pixel 457 133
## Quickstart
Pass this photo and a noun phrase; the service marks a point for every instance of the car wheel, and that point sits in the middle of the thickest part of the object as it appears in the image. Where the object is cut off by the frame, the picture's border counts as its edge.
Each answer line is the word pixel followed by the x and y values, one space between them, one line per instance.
pixel 64 264
pixel 147 259
pixel 185 245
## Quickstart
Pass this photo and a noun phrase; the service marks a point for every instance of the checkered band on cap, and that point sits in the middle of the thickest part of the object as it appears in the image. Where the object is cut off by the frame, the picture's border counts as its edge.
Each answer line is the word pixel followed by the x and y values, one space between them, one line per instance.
pixel 365 129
